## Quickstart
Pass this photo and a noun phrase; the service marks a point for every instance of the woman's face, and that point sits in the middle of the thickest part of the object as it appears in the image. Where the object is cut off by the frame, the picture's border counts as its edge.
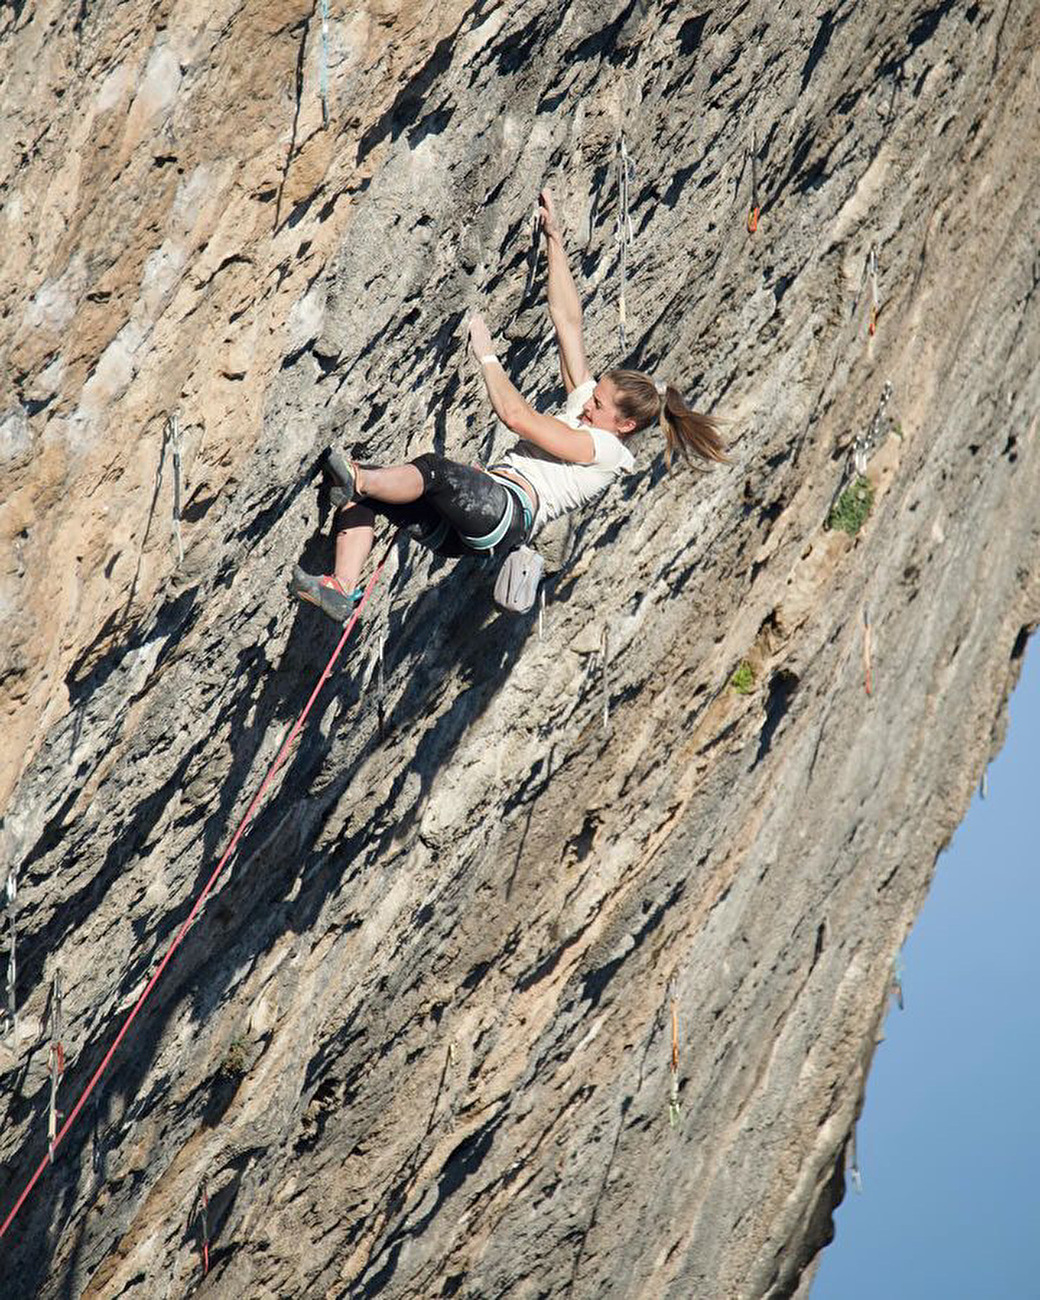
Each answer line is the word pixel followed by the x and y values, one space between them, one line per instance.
pixel 600 411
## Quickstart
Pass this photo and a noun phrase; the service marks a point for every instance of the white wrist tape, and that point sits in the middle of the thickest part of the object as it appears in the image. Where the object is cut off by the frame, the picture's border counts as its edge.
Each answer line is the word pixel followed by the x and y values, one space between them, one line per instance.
pixel 486 361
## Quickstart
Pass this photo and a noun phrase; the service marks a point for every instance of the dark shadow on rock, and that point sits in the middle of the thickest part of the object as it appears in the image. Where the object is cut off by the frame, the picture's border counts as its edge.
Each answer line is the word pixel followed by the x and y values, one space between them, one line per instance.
pixel 434 641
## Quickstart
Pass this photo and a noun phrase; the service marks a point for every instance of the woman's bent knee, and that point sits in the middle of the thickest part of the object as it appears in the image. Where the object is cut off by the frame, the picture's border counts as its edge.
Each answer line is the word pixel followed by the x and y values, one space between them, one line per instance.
pixel 432 466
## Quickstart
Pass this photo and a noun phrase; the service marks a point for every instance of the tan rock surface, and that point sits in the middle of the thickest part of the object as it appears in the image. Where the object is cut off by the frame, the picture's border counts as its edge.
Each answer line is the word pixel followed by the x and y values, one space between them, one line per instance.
pixel 419 1044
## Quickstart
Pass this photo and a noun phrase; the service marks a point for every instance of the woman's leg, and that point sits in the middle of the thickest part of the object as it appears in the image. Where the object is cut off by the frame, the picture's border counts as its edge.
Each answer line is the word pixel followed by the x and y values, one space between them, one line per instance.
pixel 470 500
pixel 397 485
pixel 355 530
pixel 433 498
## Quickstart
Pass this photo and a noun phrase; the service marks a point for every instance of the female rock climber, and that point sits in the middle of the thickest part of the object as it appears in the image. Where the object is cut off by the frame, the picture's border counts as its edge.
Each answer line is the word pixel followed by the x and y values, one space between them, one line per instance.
pixel 561 462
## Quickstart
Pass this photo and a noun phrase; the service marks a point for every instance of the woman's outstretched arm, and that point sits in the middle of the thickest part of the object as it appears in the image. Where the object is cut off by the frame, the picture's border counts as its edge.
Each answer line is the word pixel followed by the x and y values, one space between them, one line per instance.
pixel 517 413
pixel 564 303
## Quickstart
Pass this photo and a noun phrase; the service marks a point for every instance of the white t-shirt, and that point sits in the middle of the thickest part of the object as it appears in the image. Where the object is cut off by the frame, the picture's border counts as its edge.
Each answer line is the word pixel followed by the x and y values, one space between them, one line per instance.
pixel 563 485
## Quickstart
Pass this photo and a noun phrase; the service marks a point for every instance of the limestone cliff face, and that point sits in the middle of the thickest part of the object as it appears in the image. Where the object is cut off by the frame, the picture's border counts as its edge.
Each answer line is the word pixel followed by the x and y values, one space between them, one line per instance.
pixel 420 1043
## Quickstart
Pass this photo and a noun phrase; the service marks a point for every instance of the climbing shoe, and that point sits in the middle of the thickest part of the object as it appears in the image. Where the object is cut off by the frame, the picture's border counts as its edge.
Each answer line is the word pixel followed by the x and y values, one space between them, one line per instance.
pixel 345 474
pixel 327 592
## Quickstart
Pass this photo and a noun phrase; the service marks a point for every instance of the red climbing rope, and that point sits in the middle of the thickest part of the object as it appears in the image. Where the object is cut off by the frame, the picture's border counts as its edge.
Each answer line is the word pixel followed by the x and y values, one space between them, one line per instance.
pixel 272 770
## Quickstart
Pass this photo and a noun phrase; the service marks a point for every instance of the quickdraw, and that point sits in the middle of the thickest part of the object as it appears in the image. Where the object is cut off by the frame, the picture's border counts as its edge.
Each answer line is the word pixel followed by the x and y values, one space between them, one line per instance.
pixel 174 434
pixel 674 1114
pixel 56 1060
pixel 755 209
pixel 605 670
pixel 868 680
pixel 875 300
pixel 624 233
pixel 864 444
pixel 200 1218
pixel 97 1155
pixel 12 956
pixel 324 82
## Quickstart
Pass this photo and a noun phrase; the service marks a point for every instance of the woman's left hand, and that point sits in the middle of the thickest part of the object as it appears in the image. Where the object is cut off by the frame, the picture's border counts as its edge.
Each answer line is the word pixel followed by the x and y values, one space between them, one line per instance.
pixel 479 336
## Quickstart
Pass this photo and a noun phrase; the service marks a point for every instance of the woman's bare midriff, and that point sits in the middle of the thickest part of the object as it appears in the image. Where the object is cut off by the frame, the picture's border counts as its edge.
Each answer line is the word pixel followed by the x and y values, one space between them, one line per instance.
pixel 520 481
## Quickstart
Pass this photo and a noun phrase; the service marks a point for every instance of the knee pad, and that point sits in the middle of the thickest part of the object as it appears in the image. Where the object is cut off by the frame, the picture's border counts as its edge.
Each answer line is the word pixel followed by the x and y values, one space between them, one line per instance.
pixel 431 466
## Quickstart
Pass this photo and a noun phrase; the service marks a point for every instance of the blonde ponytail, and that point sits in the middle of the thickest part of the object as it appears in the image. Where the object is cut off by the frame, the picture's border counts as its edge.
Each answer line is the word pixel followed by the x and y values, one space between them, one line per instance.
pixel 689 432
pixel 686 432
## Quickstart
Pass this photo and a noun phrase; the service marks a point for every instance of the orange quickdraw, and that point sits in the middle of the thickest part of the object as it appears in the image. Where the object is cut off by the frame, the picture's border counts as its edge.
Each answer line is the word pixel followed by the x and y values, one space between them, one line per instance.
pixel 755 208
pixel 875 300
pixel 674 1113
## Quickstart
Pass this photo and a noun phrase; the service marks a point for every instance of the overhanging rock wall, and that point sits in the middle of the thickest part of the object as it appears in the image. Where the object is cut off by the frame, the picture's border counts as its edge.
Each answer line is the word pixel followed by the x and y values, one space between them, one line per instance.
pixel 420 1043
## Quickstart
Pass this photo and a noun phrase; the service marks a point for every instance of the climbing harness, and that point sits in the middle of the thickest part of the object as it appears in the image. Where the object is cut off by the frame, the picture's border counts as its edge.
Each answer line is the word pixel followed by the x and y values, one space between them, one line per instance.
pixel 624 234
pixel 521 498
pixel 868 681
pixel 518 500
pixel 56 1059
pixel 875 300
pixel 204 893
pixel 605 667
pixel 324 82
pixel 12 956
pixel 674 1114
pixel 863 445
pixel 490 540
pixel 173 433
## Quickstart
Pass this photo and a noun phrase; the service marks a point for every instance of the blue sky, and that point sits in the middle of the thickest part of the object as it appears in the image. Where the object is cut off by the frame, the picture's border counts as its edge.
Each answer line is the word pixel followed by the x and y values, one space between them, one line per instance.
pixel 949 1139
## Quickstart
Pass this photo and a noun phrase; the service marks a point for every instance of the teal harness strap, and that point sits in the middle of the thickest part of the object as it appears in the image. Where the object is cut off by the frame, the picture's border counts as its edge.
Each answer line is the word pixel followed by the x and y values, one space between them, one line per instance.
pixel 522 499
pixel 518 499
pixel 490 540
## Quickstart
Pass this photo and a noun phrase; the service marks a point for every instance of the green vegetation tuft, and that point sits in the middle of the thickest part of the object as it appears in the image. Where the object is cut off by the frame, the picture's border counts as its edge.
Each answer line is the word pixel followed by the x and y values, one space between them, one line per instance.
pixel 235 1060
pixel 743 680
pixel 852 507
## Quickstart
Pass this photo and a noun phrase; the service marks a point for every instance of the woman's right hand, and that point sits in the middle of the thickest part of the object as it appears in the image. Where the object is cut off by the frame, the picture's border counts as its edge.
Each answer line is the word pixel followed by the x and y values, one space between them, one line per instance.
pixel 547 212
pixel 480 337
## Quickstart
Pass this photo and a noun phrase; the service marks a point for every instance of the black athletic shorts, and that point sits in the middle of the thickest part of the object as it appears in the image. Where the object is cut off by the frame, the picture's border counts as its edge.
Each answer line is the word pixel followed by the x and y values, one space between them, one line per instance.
pixel 457 501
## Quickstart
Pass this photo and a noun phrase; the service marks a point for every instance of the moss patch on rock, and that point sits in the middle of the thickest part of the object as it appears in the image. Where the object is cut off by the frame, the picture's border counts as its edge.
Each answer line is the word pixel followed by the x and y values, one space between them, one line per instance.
pixel 851 509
